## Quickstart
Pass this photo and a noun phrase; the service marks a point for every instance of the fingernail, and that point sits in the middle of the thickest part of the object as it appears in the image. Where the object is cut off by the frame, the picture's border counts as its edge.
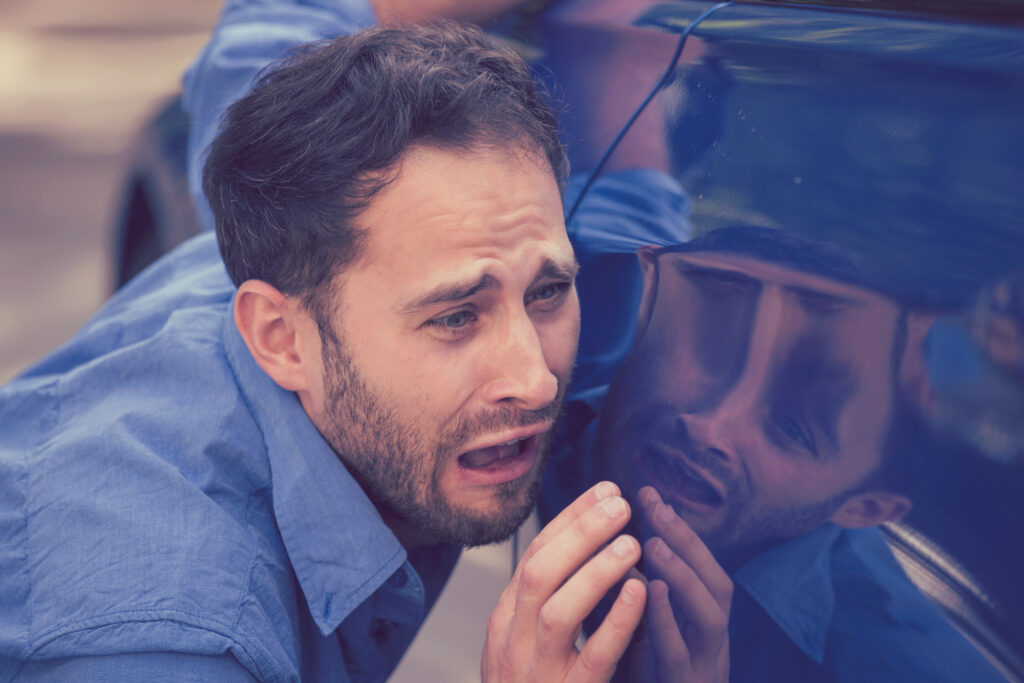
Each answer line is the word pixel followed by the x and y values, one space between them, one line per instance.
pixel 624 547
pixel 664 513
pixel 631 592
pixel 647 495
pixel 604 489
pixel 661 550
pixel 615 507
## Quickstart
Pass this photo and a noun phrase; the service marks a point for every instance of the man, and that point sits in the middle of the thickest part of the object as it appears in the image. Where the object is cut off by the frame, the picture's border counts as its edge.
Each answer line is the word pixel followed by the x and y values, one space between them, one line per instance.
pixel 263 468
pixel 760 425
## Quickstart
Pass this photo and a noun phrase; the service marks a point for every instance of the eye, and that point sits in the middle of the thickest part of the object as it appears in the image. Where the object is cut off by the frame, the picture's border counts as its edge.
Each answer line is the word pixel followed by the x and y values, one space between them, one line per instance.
pixel 453 324
pixel 550 293
pixel 792 431
pixel 718 281
pixel 820 304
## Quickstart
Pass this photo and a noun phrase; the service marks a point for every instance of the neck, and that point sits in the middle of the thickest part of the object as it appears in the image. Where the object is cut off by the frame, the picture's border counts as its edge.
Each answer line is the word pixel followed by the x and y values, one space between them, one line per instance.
pixel 409 536
pixel 733 559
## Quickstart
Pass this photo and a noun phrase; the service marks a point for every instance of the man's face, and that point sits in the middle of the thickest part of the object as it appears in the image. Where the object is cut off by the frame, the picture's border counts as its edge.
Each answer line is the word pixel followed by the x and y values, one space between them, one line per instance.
pixel 454 337
pixel 756 399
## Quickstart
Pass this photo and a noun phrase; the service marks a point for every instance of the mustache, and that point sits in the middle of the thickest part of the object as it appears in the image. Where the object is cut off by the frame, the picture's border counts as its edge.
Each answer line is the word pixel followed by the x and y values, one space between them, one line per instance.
pixel 664 424
pixel 471 426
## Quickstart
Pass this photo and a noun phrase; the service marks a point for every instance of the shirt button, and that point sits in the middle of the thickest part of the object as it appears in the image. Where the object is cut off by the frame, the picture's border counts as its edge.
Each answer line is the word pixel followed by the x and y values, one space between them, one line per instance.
pixel 398 579
pixel 381 631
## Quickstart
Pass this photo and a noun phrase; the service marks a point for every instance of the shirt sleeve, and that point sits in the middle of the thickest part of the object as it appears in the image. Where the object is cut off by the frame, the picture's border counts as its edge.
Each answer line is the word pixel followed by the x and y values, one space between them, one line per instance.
pixel 155 667
pixel 249 35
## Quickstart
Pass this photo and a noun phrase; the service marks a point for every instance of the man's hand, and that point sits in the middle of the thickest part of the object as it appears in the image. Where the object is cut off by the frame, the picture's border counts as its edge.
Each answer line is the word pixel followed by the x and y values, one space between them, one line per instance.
pixel 688 602
pixel 531 635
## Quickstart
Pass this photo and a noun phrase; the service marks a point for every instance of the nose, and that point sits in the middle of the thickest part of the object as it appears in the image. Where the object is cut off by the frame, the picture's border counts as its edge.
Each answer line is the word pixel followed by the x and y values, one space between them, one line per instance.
pixel 709 432
pixel 728 424
pixel 518 371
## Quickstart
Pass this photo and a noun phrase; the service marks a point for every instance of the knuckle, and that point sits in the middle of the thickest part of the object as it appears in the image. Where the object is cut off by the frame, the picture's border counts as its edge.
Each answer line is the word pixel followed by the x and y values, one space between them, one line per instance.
pixel 723 591
pixel 495 623
pixel 687 538
pixel 592 663
pixel 506 665
pixel 718 625
pixel 533 579
pixel 550 622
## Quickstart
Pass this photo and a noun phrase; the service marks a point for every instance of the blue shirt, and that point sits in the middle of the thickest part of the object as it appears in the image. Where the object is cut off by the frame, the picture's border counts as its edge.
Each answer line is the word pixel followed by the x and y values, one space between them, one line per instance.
pixel 167 510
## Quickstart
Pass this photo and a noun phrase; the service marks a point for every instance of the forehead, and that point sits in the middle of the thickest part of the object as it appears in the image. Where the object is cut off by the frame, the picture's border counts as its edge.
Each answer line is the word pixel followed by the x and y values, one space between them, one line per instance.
pixel 458 210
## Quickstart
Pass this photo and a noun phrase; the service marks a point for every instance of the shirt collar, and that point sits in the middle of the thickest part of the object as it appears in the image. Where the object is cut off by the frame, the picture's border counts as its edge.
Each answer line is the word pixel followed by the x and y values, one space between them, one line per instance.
pixel 338 544
pixel 792 581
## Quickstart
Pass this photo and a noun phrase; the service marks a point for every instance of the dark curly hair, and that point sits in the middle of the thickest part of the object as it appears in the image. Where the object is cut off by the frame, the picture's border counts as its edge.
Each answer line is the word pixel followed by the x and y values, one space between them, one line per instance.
pixel 300 156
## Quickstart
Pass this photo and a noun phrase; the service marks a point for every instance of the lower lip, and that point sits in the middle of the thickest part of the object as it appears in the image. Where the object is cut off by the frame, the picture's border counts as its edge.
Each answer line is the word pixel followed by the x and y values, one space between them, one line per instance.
pixel 506 469
pixel 648 459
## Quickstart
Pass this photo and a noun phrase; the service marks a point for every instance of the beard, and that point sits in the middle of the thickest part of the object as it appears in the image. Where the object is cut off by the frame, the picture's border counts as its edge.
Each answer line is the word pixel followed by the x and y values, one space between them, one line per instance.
pixel 401 471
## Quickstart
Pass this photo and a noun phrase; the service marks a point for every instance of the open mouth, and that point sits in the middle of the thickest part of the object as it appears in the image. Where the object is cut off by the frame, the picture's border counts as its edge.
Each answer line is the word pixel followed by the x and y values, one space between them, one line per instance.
pixel 501 462
pixel 672 472
pixel 494 455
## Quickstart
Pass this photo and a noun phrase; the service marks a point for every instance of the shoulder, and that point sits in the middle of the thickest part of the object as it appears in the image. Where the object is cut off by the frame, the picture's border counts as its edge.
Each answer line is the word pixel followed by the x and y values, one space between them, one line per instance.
pixel 135 501
pixel 884 628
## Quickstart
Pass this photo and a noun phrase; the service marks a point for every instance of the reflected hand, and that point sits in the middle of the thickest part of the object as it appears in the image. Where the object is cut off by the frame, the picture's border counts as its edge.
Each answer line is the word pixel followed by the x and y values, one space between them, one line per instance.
pixel 691 641
pixel 531 635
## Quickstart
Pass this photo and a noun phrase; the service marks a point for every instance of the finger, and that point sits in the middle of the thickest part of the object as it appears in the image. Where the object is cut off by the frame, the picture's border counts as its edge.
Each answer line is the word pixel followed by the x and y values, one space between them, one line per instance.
pixel 507 601
pixel 562 615
pixel 537 579
pixel 687 545
pixel 583 503
pixel 706 621
pixel 667 647
pixel 634 573
pixel 602 651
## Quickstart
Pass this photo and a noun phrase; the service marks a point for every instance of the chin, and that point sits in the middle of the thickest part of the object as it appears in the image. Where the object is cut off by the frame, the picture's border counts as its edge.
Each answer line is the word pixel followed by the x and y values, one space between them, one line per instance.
pixel 485 516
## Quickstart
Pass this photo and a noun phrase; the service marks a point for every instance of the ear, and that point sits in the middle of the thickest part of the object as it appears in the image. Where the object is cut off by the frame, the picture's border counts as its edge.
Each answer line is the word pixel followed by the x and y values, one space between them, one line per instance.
pixel 269 322
pixel 649 269
pixel 870 508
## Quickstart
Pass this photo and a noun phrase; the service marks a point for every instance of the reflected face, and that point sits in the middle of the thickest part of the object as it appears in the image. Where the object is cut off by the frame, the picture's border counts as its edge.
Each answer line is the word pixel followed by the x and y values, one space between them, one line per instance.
pixel 756 397
pixel 453 339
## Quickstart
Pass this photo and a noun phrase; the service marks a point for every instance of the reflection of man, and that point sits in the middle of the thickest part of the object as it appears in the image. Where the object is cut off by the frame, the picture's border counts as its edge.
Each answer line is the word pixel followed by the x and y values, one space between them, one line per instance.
pixel 760 408
pixel 264 471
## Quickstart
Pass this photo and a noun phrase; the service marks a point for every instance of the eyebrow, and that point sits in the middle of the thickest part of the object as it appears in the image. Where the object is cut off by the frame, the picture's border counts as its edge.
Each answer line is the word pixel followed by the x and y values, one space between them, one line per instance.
pixel 552 270
pixel 685 269
pixel 453 292
pixel 450 292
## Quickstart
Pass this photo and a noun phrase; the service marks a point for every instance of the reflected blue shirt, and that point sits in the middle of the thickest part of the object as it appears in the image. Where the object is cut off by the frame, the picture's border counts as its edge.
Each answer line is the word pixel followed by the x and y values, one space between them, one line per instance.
pixel 167 510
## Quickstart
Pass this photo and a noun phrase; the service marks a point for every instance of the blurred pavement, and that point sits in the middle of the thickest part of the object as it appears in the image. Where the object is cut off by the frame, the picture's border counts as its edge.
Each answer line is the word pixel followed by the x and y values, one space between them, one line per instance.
pixel 77 80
